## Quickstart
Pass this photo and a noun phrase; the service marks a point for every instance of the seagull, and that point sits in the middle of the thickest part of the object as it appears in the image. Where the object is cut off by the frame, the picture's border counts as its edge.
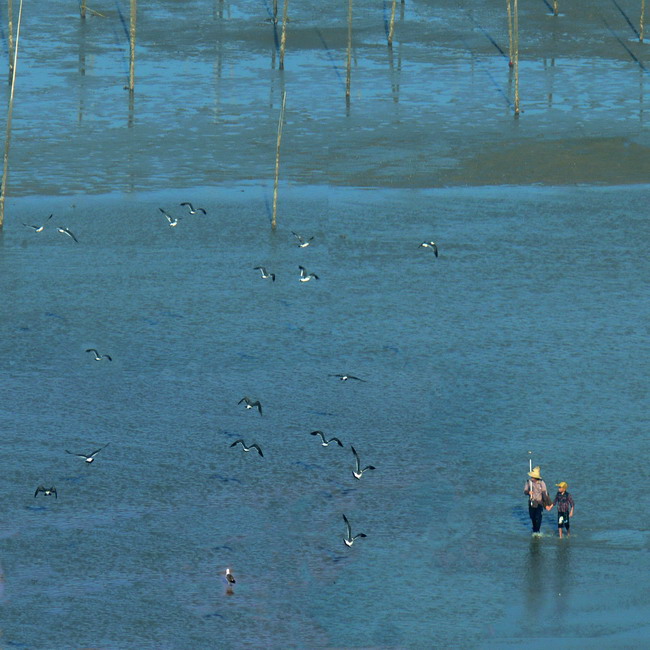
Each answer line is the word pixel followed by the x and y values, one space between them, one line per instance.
pixel 250 404
pixel 346 377
pixel 253 446
pixel 230 577
pixel 430 244
pixel 173 221
pixel 46 491
pixel 349 540
pixel 358 472
pixel 66 231
pixel 91 457
pixel 302 242
pixel 99 357
pixel 191 208
pixel 38 228
pixel 326 443
pixel 265 273
pixel 306 277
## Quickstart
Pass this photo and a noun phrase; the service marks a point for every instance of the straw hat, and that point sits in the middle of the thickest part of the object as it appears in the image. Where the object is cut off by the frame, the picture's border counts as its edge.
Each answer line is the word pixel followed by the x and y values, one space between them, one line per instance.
pixel 535 473
pixel 562 484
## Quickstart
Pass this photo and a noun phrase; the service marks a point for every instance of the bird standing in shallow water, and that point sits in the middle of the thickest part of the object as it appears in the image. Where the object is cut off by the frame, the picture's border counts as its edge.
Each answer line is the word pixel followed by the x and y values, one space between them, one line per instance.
pixel 46 491
pixel 430 244
pixel 230 578
pixel 38 228
pixel 348 539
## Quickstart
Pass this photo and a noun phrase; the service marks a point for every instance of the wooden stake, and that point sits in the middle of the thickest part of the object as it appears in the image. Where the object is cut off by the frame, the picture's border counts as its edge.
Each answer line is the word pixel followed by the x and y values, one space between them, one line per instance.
pixel 277 161
pixel 391 29
pixel 134 11
pixel 5 169
pixel 283 39
pixel 82 8
pixel 10 18
pixel 555 7
pixel 510 44
pixel 641 21
pixel 515 29
pixel 348 66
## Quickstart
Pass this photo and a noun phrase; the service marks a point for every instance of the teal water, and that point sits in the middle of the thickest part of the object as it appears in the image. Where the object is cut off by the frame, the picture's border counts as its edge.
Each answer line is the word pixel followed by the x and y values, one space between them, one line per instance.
pixel 528 333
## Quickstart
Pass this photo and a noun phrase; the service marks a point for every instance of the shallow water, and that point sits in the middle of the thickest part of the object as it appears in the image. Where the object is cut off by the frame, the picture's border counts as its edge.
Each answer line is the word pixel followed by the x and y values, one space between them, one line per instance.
pixel 528 333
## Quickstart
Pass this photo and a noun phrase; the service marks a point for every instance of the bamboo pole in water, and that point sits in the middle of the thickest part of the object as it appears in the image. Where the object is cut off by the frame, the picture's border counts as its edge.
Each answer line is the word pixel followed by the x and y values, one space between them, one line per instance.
pixel 10 46
pixel 277 161
pixel 510 44
pixel 5 168
pixel 275 12
pixel 283 38
pixel 134 11
pixel 82 8
pixel 515 29
pixel 348 65
pixel 641 21
pixel 391 28
pixel 555 7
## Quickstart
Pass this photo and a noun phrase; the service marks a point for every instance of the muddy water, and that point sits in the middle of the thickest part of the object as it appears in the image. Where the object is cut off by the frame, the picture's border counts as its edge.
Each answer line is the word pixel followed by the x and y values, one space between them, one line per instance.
pixel 527 333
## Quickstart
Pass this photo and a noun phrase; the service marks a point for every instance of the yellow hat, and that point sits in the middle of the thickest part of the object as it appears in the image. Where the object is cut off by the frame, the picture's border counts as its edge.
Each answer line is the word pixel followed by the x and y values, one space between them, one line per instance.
pixel 562 484
pixel 535 473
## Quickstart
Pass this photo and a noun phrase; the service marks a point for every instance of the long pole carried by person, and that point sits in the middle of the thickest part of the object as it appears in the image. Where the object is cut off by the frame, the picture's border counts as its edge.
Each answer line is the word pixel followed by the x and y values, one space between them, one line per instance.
pixel 530 461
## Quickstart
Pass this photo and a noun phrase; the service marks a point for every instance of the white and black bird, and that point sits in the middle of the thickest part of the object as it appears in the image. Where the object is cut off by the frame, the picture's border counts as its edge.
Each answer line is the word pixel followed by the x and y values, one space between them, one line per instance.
pixel 348 539
pixel 192 209
pixel 358 472
pixel 46 491
pixel 89 458
pixel 230 578
pixel 67 231
pixel 306 277
pixel 173 221
pixel 265 274
pixel 302 242
pixel 250 404
pixel 99 357
pixel 245 448
pixel 430 244
pixel 38 228
pixel 325 442
pixel 346 377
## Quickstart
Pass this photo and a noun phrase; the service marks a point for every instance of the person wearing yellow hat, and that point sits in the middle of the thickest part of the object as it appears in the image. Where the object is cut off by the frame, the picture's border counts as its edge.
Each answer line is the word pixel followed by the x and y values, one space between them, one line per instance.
pixel 536 490
pixel 565 508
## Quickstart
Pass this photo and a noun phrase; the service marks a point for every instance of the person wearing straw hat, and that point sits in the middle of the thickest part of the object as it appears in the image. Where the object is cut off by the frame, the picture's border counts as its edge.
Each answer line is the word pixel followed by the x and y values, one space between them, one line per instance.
pixel 536 490
pixel 565 507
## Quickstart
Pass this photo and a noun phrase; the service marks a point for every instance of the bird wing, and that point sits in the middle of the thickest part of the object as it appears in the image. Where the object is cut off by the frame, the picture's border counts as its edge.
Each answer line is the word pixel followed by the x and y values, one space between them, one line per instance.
pixel 108 356
pixel 69 232
pixel 237 442
pixel 347 523
pixel 359 535
pixel 318 433
pixel 244 399
pixel 368 467
pixel 53 489
pixel 92 350
pixel 40 488
pixel 98 450
pixel 357 378
pixel 259 406
pixel 73 454
pixel 335 440
pixel 188 204
pixel 356 456
pixel 256 446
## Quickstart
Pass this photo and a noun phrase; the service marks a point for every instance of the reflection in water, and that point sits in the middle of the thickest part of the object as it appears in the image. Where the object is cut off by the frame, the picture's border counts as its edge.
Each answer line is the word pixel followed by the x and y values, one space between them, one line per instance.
pixel 562 575
pixel 551 76
pixel 395 73
pixel 534 579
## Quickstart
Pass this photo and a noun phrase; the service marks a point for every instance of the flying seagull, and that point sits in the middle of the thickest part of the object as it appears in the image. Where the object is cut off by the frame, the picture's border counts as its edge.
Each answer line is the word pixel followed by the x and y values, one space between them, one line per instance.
pixel 302 242
pixel 346 377
pixel 99 357
pixel 358 472
pixel 253 446
pixel 430 244
pixel 173 221
pixel 67 231
pixel 91 457
pixel 190 207
pixel 250 404
pixel 46 491
pixel 348 539
pixel 38 228
pixel 306 277
pixel 265 273
pixel 326 443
